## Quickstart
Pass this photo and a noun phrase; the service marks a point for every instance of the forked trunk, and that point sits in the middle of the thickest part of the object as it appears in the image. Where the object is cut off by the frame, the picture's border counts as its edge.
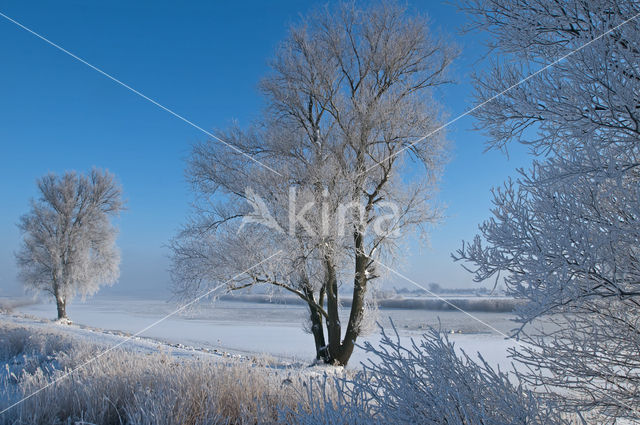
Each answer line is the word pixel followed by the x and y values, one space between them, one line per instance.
pixel 357 306
pixel 333 321
pixel 340 351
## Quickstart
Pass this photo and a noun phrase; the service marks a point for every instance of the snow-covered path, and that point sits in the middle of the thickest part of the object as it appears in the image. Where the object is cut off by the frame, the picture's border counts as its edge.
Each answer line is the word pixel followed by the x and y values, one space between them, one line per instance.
pixel 108 339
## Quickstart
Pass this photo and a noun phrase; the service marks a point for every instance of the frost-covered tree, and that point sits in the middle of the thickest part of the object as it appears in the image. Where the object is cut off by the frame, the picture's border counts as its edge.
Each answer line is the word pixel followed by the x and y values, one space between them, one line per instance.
pixel 569 246
pixel 68 240
pixel 565 234
pixel 349 89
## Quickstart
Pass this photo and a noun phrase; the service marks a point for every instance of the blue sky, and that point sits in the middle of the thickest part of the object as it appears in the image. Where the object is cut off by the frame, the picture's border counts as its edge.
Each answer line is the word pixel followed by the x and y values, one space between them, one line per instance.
pixel 202 60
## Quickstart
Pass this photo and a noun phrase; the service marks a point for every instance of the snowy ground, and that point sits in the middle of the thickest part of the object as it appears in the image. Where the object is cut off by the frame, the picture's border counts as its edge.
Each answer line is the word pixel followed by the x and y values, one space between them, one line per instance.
pixel 249 329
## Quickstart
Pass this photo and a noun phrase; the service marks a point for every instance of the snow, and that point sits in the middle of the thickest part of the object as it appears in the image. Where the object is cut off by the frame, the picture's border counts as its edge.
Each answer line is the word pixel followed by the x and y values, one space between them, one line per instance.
pixel 248 329
pixel 107 339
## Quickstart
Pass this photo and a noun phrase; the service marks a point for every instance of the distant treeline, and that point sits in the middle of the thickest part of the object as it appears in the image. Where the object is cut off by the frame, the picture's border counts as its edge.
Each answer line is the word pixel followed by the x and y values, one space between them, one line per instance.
pixel 486 304
pixel 475 304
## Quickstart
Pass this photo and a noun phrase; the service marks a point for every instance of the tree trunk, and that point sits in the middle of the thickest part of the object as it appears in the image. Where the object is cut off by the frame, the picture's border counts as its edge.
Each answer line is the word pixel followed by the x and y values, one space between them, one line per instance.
pixel 343 354
pixel 61 303
pixel 333 321
pixel 357 306
pixel 340 352
pixel 317 328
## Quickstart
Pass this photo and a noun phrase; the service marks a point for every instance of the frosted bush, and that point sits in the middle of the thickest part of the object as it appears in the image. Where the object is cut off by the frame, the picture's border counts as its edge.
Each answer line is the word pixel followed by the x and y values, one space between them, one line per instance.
pixel 425 383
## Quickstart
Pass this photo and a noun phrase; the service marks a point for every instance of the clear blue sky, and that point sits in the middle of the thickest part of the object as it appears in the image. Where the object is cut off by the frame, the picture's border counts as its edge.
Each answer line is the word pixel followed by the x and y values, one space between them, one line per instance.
pixel 203 60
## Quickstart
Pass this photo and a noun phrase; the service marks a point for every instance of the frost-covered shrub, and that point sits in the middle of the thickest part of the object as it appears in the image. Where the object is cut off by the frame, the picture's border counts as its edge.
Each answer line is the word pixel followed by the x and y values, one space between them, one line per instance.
pixel 18 340
pixel 426 383
pixel 565 233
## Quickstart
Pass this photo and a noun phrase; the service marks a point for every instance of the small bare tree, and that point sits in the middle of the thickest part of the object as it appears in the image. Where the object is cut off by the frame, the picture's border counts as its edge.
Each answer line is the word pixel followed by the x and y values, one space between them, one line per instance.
pixel 350 89
pixel 68 239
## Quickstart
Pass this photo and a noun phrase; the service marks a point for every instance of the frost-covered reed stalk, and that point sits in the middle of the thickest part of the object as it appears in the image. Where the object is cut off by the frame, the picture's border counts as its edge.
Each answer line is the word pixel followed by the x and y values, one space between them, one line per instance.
pixel 129 387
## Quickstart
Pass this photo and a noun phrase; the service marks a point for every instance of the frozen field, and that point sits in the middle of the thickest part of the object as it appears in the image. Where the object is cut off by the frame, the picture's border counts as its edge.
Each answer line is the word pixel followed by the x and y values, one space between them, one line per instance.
pixel 273 329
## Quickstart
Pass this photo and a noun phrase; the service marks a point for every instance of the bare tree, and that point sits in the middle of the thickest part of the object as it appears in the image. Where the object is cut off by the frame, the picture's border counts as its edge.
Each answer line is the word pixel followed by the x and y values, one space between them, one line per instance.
pixel 566 232
pixel 68 240
pixel 349 89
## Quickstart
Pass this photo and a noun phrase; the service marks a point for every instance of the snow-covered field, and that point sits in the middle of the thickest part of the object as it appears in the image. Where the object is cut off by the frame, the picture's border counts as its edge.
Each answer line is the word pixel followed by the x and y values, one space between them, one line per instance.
pixel 275 329
pixel 57 372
